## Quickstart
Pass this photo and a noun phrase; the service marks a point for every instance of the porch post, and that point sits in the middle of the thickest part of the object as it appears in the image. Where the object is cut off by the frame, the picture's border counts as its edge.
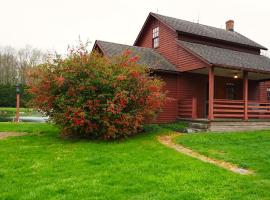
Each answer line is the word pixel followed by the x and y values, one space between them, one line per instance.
pixel 194 108
pixel 245 94
pixel 211 93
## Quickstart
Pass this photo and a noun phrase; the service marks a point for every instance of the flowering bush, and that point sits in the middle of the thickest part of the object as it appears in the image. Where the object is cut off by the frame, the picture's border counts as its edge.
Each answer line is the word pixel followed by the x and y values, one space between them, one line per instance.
pixel 93 96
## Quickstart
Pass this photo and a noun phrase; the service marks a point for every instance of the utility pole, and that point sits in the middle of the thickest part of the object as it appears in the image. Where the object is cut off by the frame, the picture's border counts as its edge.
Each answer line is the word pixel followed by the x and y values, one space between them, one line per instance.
pixel 17 103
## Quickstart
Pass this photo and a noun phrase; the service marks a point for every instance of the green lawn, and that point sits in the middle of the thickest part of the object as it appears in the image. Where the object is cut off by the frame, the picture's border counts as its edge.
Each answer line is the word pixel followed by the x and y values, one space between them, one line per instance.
pixel 247 149
pixel 43 166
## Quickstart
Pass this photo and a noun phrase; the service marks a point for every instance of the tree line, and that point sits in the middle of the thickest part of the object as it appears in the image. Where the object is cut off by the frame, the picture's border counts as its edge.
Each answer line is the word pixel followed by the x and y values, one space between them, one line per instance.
pixel 13 66
pixel 15 62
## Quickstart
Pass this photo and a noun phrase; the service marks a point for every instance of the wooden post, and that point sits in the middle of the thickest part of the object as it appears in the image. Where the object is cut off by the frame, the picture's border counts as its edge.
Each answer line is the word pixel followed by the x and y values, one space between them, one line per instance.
pixel 194 108
pixel 245 94
pixel 17 107
pixel 211 94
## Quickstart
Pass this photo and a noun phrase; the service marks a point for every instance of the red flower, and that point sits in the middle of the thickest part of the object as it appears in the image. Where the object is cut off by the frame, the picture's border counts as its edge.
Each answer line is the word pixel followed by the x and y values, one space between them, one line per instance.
pixel 121 77
pixel 47 85
pixel 127 52
pixel 153 88
pixel 122 102
pixel 135 74
pixel 60 81
pixel 134 59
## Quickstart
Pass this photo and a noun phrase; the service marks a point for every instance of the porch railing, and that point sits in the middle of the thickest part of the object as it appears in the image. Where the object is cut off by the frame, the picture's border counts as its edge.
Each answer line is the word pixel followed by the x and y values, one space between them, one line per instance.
pixel 259 110
pixel 224 108
pixel 187 108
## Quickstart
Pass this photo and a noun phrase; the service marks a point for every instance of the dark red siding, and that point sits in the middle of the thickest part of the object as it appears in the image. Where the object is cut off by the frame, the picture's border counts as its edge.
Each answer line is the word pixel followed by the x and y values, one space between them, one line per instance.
pixel 187 61
pixel 254 90
pixel 263 90
pixel 170 109
pixel 193 85
pixel 167 40
pixel 168 46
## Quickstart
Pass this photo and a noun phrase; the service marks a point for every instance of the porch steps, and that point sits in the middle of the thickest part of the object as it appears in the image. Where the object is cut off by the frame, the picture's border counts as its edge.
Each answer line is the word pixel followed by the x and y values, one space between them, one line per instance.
pixel 225 125
pixel 197 127
pixel 238 126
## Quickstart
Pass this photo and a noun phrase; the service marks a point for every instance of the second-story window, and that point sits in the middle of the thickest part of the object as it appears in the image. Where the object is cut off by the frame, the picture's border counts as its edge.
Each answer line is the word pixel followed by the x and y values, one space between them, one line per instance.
pixel 156 37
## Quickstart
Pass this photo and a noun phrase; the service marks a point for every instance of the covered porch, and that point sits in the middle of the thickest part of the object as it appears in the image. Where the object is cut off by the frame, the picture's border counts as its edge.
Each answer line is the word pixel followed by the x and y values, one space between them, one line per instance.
pixel 226 94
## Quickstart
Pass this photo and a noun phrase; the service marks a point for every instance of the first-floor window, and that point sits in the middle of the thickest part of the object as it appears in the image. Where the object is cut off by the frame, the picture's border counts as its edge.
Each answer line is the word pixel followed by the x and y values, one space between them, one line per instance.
pixel 268 94
pixel 230 91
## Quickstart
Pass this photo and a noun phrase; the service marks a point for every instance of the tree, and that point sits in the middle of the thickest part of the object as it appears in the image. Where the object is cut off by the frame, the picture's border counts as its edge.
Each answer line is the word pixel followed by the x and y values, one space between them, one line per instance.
pixel 28 57
pixel 14 63
pixel 8 66
pixel 93 96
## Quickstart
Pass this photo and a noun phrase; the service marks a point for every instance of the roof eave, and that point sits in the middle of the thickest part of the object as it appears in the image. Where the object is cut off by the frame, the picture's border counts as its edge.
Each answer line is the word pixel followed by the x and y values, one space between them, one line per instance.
pixel 140 33
pixel 97 44
pixel 165 71
pixel 241 68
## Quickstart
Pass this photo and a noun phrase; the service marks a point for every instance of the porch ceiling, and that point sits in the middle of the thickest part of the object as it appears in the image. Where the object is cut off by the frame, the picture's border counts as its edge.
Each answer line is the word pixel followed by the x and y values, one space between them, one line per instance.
pixel 225 72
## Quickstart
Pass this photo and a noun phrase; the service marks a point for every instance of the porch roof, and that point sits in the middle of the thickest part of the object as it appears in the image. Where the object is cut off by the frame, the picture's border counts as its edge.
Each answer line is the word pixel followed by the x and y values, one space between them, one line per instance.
pixel 147 56
pixel 228 58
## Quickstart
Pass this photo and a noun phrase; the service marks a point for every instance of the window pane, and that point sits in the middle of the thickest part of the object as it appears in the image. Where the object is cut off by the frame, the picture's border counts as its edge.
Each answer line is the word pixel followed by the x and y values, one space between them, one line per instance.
pixel 155 32
pixel 155 42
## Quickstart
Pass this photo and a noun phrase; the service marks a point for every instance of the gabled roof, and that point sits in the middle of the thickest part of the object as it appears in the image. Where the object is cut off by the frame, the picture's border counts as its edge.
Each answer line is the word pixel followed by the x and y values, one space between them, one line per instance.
pixel 201 30
pixel 147 56
pixel 228 58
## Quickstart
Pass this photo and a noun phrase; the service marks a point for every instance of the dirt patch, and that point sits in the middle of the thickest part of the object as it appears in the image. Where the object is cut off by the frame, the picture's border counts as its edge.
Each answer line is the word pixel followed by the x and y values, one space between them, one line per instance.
pixel 4 135
pixel 167 140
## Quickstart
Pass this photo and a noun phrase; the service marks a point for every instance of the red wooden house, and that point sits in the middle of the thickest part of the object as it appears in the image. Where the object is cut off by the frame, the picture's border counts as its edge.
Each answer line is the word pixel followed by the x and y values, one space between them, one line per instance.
pixel 214 74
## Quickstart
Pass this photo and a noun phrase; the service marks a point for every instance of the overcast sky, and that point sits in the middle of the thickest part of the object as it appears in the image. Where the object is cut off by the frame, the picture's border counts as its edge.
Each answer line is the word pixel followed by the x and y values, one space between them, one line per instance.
pixel 53 24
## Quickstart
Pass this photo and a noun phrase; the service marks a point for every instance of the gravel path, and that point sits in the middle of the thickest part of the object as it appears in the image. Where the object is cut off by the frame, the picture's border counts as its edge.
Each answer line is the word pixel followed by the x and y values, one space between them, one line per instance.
pixel 167 140
pixel 10 134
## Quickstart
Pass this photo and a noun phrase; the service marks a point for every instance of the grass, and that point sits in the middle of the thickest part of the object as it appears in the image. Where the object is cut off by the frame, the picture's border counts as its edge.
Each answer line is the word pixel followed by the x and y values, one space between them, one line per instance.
pixel 43 166
pixel 246 149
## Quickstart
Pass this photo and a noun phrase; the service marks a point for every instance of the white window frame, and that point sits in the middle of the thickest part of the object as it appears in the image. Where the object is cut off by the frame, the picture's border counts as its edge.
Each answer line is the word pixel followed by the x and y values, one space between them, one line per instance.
pixel 155 37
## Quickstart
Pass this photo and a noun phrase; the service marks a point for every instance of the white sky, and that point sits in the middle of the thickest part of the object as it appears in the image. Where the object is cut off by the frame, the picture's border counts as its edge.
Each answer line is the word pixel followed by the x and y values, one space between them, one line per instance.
pixel 53 24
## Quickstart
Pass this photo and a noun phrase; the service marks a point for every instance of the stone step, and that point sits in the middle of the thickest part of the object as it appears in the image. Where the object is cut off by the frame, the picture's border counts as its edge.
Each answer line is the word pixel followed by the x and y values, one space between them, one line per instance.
pixel 194 130
pixel 197 125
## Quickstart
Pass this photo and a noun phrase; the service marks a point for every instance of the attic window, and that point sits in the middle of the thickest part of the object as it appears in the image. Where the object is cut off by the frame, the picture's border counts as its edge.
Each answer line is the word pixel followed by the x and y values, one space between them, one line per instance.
pixel 156 37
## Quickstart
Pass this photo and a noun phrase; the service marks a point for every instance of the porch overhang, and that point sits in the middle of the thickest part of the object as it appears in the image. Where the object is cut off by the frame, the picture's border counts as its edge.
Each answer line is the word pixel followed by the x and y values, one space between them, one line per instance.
pixel 230 72
pixel 228 61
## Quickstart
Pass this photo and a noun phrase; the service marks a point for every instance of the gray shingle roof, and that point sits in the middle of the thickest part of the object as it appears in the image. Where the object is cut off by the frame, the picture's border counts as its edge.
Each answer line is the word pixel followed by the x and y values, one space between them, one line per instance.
pixel 207 31
pixel 147 56
pixel 220 56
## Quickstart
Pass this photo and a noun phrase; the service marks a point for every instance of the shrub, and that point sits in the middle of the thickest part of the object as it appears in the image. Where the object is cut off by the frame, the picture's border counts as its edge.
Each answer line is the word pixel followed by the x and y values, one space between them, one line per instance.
pixel 93 96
